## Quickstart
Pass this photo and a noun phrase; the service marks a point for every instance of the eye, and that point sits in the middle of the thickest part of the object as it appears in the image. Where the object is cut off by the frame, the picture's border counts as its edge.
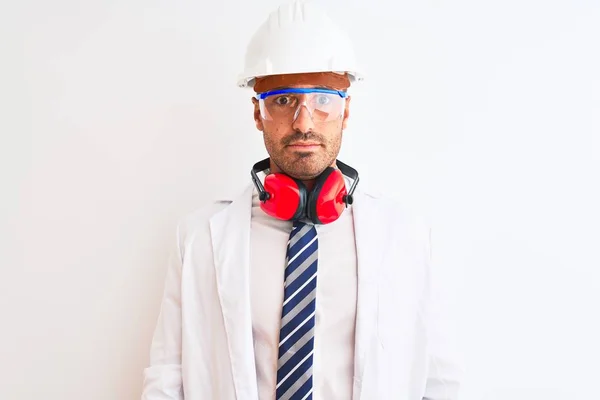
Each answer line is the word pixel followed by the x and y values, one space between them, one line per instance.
pixel 322 100
pixel 283 100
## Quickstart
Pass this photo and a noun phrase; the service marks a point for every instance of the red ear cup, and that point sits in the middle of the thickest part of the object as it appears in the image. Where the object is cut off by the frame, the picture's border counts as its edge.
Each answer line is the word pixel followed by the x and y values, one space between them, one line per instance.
pixel 287 197
pixel 326 199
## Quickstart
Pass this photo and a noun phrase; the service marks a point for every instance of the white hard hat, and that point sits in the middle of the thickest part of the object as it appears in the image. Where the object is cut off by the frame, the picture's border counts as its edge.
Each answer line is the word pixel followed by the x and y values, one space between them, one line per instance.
pixel 299 37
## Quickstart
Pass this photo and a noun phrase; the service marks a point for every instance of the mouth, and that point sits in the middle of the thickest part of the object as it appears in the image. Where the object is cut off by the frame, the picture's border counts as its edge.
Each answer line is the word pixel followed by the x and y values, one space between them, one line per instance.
pixel 304 145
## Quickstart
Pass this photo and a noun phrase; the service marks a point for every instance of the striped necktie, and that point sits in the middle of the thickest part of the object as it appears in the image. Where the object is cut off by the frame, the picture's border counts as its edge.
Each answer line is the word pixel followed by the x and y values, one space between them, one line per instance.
pixel 296 337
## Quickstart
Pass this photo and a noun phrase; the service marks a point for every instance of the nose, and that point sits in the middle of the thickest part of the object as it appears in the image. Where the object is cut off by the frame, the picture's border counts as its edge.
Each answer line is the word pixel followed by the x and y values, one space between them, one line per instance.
pixel 302 119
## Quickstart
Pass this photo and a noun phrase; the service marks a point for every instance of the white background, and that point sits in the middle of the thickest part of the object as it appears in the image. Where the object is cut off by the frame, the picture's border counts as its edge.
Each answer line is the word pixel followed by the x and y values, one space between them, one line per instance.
pixel 118 117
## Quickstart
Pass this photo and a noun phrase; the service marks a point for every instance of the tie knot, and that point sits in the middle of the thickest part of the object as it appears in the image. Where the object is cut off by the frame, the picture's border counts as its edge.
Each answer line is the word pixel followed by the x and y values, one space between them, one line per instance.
pixel 299 224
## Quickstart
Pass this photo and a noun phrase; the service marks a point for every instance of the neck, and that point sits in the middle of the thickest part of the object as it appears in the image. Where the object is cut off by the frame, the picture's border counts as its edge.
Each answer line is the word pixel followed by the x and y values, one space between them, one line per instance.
pixel 309 184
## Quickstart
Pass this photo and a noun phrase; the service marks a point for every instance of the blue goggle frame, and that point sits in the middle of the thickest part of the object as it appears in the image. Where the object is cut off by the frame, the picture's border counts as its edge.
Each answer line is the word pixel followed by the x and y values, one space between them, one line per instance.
pixel 261 96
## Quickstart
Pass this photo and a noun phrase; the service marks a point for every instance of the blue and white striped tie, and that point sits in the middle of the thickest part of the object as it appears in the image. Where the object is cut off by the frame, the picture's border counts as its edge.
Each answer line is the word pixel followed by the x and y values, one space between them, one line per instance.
pixel 296 337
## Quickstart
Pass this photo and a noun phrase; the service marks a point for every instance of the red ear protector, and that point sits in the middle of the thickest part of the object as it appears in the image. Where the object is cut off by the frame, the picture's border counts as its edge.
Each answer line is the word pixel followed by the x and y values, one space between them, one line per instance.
pixel 287 198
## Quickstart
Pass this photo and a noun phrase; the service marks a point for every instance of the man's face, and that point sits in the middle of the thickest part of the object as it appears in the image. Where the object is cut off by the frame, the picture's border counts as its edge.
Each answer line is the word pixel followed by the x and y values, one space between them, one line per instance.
pixel 302 148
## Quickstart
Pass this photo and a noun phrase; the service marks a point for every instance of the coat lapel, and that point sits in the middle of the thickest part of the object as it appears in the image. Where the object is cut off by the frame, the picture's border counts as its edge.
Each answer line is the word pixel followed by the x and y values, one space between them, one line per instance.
pixel 230 233
pixel 369 253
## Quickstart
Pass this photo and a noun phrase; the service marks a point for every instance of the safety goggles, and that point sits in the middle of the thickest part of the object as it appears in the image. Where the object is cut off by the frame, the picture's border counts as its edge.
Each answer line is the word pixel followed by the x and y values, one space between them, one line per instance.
pixel 323 105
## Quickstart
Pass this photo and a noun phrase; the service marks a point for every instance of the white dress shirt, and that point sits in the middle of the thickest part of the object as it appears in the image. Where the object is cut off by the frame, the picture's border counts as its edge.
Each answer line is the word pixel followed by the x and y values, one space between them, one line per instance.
pixel 333 359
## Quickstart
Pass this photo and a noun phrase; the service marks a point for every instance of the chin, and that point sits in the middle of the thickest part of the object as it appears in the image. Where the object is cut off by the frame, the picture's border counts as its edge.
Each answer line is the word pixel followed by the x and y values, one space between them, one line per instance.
pixel 303 165
pixel 311 172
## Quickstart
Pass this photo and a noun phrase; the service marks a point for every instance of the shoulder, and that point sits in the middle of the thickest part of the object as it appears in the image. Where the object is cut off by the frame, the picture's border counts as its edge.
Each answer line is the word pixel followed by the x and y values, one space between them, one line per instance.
pixel 398 216
pixel 201 215
pixel 197 222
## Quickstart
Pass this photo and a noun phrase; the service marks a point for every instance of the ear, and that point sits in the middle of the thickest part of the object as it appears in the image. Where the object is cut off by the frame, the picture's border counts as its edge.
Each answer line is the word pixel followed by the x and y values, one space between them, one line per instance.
pixel 346 112
pixel 257 118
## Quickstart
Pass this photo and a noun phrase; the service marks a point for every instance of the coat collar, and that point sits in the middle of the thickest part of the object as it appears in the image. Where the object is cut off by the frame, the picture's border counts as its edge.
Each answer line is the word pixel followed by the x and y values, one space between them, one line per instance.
pixel 230 234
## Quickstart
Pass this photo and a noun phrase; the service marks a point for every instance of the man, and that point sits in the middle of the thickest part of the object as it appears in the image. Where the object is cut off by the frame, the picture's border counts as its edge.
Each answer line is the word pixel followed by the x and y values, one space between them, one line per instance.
pixel 300 288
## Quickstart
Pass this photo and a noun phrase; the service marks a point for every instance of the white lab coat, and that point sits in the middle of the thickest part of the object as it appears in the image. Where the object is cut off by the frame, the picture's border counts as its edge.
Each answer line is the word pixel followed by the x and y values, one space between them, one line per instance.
pixel 203 347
